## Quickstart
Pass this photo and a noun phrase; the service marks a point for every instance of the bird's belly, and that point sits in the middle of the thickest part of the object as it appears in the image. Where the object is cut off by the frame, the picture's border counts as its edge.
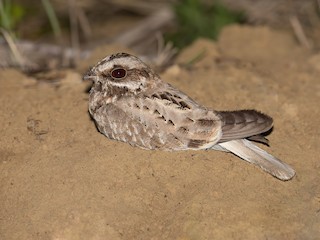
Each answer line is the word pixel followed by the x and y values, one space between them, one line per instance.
pixel 116 124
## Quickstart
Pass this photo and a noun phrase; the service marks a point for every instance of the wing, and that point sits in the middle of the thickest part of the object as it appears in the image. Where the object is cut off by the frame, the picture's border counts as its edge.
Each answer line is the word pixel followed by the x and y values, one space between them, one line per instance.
pixel 178 121
pixel 244 124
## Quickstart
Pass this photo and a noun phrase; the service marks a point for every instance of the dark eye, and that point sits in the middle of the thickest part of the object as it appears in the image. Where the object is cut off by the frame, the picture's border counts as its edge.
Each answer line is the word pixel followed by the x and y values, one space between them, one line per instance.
pixel 118 73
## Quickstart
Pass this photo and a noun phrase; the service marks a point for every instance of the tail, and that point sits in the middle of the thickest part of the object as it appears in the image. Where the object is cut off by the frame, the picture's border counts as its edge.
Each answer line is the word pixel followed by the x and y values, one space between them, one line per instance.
pixel 255 155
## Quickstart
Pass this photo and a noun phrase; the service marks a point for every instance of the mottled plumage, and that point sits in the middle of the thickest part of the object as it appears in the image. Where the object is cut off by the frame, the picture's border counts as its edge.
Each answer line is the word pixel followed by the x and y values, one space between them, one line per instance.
pixel 130 103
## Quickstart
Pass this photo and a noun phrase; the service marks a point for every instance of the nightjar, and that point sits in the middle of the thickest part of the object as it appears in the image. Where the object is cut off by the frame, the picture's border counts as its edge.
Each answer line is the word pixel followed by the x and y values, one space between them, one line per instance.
pixel 129 102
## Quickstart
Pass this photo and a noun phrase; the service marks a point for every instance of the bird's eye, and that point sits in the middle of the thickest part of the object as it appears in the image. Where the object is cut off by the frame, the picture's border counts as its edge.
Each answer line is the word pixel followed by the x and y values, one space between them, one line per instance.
pixel 118 73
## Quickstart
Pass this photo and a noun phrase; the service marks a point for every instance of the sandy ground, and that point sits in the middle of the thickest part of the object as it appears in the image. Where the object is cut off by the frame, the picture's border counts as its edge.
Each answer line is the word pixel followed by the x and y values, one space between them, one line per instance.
pixel 61 179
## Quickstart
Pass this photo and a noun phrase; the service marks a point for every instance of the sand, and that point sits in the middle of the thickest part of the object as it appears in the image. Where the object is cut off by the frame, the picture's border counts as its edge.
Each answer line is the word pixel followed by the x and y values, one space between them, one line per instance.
pixel 61 179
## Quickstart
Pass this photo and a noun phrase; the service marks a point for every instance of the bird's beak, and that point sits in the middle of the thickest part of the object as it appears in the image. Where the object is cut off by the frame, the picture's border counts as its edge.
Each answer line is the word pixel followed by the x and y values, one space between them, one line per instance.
pixel 90 75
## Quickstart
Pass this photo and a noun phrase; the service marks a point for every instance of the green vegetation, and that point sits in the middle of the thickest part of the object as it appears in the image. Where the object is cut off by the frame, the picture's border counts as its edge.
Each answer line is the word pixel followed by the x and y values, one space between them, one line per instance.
pixel 10 15
pixel 196 19
pixel 52 18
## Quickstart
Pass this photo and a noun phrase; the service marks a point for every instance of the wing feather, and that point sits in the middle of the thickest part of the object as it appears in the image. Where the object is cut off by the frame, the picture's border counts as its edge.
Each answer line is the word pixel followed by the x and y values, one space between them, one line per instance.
pixel 243 124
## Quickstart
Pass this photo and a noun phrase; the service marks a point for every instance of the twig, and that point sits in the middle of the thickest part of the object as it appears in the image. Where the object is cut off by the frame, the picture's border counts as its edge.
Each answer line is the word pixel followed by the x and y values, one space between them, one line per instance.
pixel 148 26
pixel 139 6
pixel 298 30
pixel 165 52
pixel 52 18
pixel 40 56
pixel 84 23
pixel 18 59
pixel 75 43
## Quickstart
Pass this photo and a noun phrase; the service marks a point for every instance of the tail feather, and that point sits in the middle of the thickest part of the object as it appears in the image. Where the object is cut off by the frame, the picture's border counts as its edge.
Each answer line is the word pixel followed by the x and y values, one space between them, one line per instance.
pixel 255 155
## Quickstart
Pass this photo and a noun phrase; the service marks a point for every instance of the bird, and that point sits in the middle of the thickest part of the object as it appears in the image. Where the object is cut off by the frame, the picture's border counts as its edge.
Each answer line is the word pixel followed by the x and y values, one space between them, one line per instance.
pixel 129 102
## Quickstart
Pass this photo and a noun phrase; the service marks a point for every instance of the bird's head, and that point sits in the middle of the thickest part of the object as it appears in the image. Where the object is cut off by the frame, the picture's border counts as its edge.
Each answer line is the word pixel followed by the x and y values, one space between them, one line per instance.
pixel 121 71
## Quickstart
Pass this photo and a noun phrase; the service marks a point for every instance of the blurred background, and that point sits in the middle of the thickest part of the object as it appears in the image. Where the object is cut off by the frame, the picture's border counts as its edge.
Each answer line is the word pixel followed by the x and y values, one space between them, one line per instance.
pixel 38 35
